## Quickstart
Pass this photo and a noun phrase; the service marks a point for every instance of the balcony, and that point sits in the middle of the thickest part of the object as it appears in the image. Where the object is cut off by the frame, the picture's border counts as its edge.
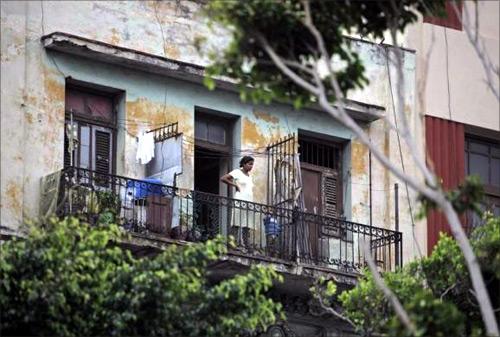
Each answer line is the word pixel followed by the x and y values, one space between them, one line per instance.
pixel 260 231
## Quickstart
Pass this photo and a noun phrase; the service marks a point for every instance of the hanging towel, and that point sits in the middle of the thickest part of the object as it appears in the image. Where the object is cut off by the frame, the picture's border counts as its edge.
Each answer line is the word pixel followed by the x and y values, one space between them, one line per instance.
pixel 145 148
pixel 167 161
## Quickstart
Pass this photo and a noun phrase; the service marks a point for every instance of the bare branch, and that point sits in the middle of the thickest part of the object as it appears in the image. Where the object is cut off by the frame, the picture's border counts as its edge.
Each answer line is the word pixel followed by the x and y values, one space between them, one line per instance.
pixel 398 307
pixel 480 50
pixel 472 264
pixel 347 120
pixel 425 70
pixel 291 64
pixel 448 290
pixel 330 310
pixel 405 130
pixel 284 68
pixel 435 194
pixel 457 230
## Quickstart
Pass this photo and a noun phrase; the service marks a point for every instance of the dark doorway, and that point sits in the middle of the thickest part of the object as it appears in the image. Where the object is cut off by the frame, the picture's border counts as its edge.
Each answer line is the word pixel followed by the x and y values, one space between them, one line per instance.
pixel 320 166
pixel 212 159
pixel 207 170
pixel 311 184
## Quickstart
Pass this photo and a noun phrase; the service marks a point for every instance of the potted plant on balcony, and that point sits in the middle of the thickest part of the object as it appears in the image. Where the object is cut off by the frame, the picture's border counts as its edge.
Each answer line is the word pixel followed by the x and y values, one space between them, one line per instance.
pixel 182 231
pixel 110 205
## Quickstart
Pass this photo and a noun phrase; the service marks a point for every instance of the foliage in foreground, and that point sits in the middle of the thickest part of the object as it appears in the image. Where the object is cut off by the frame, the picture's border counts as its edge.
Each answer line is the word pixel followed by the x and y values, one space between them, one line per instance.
pixel 68 279
pixel 435 290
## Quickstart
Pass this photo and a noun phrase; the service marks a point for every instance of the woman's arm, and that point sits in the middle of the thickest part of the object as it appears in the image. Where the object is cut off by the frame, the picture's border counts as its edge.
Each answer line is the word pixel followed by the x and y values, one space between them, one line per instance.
pixel 228 179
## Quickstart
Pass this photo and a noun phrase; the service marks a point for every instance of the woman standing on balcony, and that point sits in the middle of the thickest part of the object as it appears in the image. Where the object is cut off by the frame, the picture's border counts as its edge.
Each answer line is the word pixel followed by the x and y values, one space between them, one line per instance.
pixel 242 181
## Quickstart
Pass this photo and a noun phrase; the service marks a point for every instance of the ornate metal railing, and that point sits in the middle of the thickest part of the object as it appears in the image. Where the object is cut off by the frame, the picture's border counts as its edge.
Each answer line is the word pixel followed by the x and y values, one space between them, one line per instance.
pixel 145 206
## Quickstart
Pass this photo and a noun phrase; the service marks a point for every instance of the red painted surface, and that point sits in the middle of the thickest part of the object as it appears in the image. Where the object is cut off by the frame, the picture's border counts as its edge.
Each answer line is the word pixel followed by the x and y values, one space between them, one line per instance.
pixel 445 155
pixel 451 20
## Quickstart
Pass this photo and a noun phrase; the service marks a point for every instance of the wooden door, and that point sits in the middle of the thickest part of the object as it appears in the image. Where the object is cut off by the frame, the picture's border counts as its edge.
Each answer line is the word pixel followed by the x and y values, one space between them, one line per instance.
pixel 311 187
pixel 159 214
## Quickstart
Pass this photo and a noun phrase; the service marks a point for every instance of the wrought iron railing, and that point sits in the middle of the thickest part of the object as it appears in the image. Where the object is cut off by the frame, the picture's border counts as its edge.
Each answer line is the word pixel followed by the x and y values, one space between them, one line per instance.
pixel 144 206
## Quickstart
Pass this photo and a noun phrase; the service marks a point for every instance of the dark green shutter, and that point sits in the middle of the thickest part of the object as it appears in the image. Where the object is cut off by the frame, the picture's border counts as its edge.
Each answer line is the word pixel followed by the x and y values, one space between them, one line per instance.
pixel 330 194
pixel 102 152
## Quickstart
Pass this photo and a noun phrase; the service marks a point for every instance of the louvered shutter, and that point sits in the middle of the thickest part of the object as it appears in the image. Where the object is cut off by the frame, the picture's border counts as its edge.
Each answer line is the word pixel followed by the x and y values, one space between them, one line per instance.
pixel 102 151
pixel 67 156
pixel 330 194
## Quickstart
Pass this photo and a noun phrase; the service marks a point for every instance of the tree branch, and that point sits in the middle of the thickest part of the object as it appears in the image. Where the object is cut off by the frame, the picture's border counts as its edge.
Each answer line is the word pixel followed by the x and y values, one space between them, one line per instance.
pixel 472 264
pixel 330 310
pixel 455 224
pixel 342 116
pixel 283 67
pixel 488 66
pixel 398 307
pixel 435 194
pixel 448 290
pixel 289 63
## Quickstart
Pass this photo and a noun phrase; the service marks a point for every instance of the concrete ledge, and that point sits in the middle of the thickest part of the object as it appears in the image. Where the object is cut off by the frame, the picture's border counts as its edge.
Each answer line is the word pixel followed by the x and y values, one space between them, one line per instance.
pixel 236 261
pixel 134 59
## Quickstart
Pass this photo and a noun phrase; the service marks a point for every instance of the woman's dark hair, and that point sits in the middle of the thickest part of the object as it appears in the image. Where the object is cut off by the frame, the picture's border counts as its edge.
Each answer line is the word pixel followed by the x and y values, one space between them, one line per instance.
pixel 245 160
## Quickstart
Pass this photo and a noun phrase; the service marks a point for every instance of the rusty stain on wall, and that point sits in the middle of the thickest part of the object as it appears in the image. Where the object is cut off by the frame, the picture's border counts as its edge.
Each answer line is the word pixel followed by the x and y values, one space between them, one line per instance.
pixel 359 157
pixel 115 37
pixel 252 135
pixel 12 44
pixel 44 116
pixel 151 114
pixel 13 196
pixel 171 51
pixel 54 89
pixel 29 117
pixel 267 117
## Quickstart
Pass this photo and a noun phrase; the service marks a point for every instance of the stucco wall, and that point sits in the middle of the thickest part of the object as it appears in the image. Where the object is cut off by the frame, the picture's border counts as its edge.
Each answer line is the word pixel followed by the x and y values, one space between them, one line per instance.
pixel 33 84
pixel 451 79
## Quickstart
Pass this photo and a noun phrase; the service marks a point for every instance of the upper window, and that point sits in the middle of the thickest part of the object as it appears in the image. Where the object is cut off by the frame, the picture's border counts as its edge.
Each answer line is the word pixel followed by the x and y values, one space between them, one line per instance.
pixel 451 20
pixel 483 159
pixel 321 180
pixel 213 131
pixel 319 154
pixel 90 105
pixel 90 123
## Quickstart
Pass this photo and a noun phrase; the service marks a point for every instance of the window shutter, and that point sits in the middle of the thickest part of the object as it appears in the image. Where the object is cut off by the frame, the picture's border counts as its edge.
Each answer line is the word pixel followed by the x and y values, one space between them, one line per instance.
pixel 102 158
pixel 330 194
pixel 67 157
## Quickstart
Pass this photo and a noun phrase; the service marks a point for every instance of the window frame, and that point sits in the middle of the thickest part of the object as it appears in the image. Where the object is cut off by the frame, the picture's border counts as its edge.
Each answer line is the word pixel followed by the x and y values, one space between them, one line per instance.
pixel 225 123
pixel 492 193
pixel 326 171
pixel 94 124
pixel 489 189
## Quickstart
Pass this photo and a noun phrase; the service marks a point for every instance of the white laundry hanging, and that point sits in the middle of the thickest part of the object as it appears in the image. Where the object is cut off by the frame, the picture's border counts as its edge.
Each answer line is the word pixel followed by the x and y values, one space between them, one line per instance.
pixel 167 161
pixel 145 148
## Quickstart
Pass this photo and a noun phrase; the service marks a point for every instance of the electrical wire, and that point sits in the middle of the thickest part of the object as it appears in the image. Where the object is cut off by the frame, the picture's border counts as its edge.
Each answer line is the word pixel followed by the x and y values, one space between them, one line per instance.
pixel 447 72
pixel 401 155
pixel 42 23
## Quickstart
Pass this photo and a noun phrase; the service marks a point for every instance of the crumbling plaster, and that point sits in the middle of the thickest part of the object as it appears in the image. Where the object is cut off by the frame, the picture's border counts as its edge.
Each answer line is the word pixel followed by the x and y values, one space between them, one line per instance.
pixel 33 84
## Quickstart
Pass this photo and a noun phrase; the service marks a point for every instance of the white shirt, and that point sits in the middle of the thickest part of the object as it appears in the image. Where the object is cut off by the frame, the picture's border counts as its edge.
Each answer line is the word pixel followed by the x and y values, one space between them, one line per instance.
pixel 245 183
pixel 145 148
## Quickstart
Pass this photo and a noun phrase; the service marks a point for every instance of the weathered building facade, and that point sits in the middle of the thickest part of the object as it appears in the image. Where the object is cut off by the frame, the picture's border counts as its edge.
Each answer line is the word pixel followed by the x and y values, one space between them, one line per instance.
pixel 94 76
pixel 462 114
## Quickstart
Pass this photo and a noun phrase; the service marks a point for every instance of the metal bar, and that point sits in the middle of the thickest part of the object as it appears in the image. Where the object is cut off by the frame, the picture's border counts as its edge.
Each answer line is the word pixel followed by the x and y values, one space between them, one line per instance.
pixel 396 207
pixel 200 213
pixel 370 185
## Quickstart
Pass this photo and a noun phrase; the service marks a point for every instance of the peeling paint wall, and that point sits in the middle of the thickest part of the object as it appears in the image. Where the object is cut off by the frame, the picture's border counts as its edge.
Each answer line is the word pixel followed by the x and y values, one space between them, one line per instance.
pixel 33 88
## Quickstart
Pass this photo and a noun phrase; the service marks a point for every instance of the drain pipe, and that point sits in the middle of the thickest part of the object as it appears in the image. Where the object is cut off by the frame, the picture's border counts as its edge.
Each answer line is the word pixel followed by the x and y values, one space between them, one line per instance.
pixel 370 182
pixel 396 207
